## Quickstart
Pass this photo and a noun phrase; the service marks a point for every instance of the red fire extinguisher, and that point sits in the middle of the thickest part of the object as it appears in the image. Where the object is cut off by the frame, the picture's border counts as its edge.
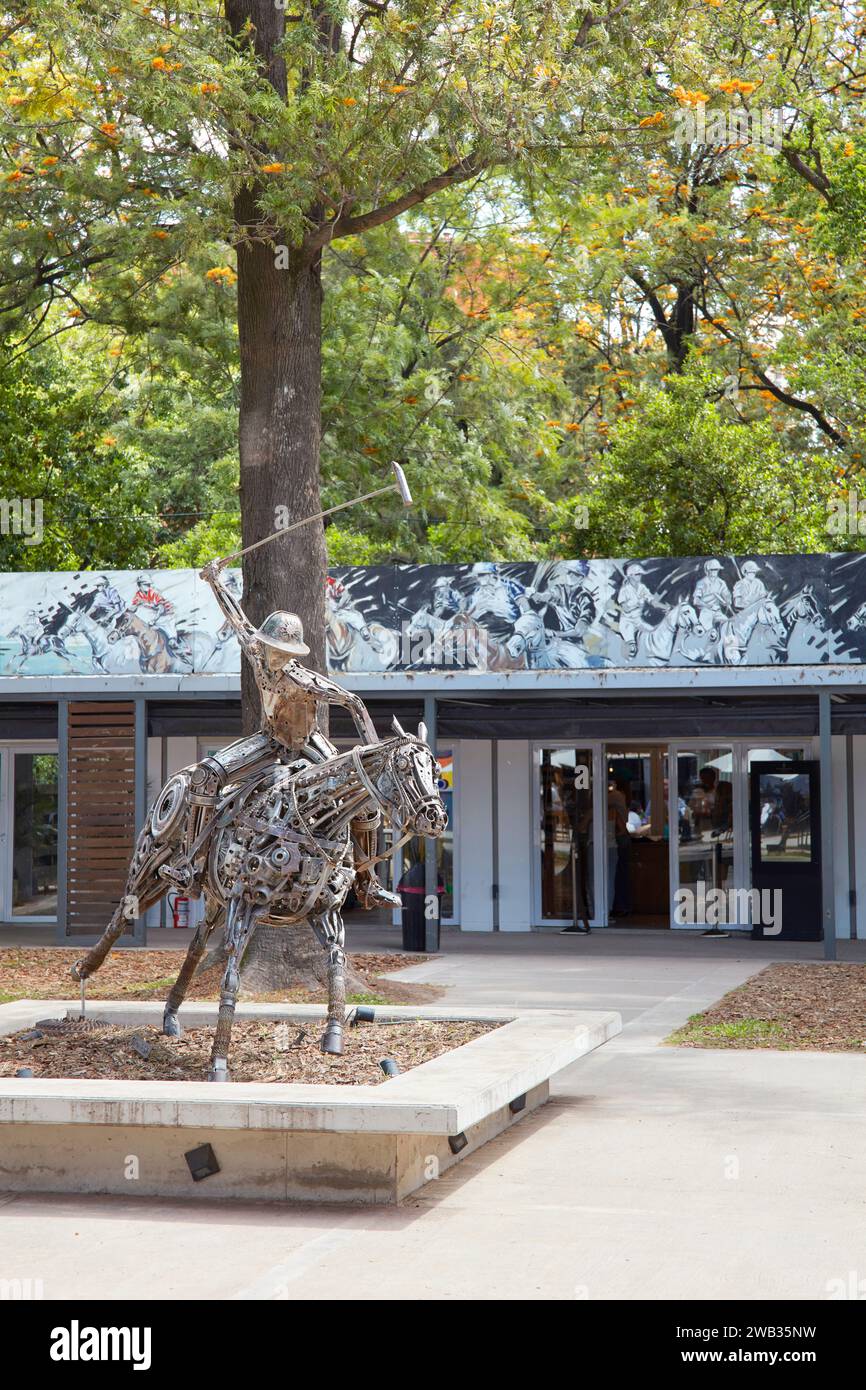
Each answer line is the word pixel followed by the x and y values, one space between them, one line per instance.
pixel 179 910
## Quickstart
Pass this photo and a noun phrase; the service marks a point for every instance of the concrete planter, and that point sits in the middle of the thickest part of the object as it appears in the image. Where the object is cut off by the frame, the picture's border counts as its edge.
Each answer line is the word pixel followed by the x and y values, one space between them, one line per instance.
pixel 273 1142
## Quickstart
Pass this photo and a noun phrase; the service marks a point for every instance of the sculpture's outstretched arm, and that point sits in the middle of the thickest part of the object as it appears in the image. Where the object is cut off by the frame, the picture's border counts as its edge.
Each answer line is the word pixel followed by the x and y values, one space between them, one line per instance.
pixel 333 694
pixel 229 605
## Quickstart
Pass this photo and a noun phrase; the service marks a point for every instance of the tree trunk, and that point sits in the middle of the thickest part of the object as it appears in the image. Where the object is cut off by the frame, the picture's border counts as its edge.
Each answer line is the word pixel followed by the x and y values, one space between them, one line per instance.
pixel 280 333
pixel 280 325
pixel 282 958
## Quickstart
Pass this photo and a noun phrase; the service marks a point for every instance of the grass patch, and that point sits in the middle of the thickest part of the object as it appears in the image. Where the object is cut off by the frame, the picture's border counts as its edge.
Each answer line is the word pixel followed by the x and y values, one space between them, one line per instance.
pixel 743 1032
pixel 814 1006
pixel 149 986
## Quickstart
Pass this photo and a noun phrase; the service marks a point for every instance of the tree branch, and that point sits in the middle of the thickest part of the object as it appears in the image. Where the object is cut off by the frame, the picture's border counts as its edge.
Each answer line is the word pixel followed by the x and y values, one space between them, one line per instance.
pixel 350 226
pixel 815 177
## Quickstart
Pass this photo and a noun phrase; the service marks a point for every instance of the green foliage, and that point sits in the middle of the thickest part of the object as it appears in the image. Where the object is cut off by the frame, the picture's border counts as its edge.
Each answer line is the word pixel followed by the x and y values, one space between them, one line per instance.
pixel 219 535
pixel 56 448
pixel 686 477
pixel 509 340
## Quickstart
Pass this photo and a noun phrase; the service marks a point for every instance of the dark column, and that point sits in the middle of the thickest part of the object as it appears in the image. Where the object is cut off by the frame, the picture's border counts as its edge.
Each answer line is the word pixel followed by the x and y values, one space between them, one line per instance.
pixel 62 814
pixel 827 875
pixel 431 873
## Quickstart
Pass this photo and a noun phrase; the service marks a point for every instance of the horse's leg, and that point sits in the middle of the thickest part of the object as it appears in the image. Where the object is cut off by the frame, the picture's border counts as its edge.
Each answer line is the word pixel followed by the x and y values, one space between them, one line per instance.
pixel 170 1021
pixel 332 934
pixel 143 888
pixel 241 922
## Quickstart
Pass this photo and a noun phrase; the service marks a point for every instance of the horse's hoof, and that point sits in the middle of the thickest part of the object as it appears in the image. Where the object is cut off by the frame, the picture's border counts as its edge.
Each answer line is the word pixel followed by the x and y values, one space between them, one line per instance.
pixel 332 1041
pixel 218 1070
pixel 171 1026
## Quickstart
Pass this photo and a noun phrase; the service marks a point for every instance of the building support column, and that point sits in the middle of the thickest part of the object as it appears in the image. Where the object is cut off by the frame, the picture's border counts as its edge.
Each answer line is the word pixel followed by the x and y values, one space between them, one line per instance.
pixel 431 869
pixel 852 838
pixel 828 882
pixel 62 814
pixel 139 936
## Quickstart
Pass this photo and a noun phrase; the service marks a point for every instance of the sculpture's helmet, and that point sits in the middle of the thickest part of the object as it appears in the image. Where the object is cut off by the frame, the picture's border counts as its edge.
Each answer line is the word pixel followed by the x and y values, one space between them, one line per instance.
pixel 283 632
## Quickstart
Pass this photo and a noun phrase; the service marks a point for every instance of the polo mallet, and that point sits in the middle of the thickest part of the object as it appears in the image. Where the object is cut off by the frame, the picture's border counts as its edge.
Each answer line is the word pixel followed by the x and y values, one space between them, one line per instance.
pixel 399 485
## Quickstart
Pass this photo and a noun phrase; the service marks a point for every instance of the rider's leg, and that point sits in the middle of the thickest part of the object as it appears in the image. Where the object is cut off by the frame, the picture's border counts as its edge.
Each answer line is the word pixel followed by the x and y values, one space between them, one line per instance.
pixel 628 630
pixel 368 889
pixel 231 764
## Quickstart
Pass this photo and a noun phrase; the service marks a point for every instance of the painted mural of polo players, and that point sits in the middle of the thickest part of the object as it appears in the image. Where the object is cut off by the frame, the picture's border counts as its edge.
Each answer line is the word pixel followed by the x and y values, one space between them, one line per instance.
pixel 712 599
pixel 753 619
pixel 754 609
pixel 290 694
pixel 29 632
pixel 354 644
pixel 158 611
pixel 749 589
pixel 568 603
pixel 495 595
pixel 94 612
pixel 631 600
pixel 446 600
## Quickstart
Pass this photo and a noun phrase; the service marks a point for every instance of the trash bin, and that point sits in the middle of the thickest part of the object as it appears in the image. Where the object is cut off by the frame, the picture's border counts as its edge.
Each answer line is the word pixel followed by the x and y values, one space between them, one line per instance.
pixel 414 921
pixel 413 895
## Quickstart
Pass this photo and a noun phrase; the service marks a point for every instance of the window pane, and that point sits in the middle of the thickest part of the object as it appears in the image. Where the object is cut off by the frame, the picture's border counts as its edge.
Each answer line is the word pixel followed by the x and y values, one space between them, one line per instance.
pixel 34 845
pixel 786 820
pixel 566 833
pixel 705 815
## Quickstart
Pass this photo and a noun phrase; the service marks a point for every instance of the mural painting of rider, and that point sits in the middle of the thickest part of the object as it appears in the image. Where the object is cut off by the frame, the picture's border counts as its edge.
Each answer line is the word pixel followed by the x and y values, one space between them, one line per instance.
pixel 446 601
pixel 148 597
pixel 568 603
pixel 496 595
pixel 632 598
pixel 712 599
pixel 750 589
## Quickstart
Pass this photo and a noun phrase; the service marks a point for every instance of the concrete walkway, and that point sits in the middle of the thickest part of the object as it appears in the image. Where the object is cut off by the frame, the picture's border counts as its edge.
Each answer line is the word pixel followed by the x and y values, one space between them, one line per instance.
pixel 653 1172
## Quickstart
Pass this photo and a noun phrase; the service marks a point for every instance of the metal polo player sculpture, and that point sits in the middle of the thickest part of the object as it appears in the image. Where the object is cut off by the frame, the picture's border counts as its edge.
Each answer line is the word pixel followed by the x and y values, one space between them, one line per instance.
pixel 275 828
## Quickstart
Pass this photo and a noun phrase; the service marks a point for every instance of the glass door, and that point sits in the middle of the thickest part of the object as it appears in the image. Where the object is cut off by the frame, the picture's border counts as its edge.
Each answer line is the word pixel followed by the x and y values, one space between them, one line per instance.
pixel 638 867
pixel 567 841
pixel 711 870
pixel 704 842
pixel 28 834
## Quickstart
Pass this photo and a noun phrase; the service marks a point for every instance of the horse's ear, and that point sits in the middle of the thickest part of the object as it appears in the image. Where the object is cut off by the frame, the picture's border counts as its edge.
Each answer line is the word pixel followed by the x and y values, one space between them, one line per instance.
pixel 422 731
pixel 397 727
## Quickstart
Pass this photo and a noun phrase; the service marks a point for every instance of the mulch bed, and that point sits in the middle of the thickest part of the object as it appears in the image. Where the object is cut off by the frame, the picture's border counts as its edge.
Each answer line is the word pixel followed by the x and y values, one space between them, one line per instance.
pixel 809 1007
pixel 260 1051
pixel 43 973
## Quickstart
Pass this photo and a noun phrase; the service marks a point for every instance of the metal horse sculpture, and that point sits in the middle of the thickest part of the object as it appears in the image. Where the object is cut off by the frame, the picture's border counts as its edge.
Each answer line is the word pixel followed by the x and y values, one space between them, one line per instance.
pixel 280 852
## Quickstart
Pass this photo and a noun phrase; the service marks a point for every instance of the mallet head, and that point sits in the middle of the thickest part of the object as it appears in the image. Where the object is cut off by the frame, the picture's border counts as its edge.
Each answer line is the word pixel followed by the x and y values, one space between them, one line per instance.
pixel 402 485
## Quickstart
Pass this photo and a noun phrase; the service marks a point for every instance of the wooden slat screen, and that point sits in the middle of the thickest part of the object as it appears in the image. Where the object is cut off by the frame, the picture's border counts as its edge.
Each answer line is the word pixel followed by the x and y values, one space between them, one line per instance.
pixel 100 810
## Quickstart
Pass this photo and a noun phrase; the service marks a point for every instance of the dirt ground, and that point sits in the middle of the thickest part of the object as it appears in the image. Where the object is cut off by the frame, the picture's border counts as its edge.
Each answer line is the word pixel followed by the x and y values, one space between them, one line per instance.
pixel 814 1007
pixel 43 973
pixel 260 1051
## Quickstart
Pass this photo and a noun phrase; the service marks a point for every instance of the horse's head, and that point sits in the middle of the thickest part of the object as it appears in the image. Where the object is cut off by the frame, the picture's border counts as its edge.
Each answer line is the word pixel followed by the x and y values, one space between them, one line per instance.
pixel 770 615
pixel 406 784
pixel 857 621
pixel 123 626
pixel 527 635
